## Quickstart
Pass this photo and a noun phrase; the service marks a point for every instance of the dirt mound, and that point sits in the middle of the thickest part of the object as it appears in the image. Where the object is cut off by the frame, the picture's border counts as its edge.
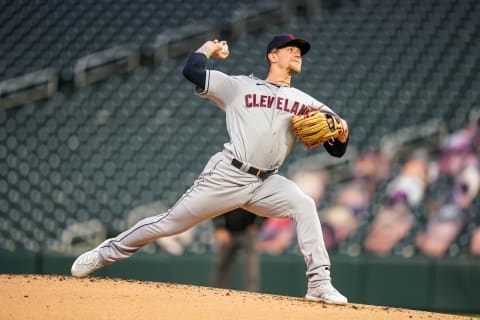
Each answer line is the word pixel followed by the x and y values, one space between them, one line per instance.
pixel 61 297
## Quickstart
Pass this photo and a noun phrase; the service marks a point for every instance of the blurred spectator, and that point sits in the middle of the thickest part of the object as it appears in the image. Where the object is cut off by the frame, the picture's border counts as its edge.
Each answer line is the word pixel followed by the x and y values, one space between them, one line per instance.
pixel 343 218
pixel 312 182
pixel 458 147
pixel 369 169
pixel 80 236
pixel 235 232
pixel 395 217
pixel 475 242
pixel 445 225
pixel 276 236
pixel 459 163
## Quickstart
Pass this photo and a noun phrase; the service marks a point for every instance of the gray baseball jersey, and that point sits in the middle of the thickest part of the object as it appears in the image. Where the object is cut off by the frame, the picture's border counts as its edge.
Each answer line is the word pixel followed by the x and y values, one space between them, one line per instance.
pixel 258 116
pixel 258 121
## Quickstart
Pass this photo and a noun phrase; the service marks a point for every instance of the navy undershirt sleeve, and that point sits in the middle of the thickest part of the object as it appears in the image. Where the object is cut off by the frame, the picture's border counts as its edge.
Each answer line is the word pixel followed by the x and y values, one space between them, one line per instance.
pixel 337 149
pixel 194 69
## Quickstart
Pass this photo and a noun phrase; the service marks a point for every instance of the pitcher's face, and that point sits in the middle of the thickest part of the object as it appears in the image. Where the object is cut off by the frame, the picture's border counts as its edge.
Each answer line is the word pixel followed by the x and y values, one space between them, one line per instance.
pixel 289 58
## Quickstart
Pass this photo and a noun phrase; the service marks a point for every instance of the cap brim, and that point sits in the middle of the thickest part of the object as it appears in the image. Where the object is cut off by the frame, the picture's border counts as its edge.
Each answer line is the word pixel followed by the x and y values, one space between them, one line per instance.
pixel 303 45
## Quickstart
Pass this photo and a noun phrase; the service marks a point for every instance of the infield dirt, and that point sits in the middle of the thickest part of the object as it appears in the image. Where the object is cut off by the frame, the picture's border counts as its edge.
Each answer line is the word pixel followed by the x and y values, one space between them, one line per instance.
pixel 62 297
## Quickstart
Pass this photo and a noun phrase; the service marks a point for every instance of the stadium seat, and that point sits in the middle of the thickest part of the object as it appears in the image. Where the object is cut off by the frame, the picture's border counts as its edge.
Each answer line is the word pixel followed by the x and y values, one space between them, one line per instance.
pixel 145 135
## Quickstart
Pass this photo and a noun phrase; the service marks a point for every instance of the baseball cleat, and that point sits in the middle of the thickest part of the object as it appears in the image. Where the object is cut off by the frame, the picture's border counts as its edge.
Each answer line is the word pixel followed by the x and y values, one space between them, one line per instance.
pixel 326 293
pixel 87 263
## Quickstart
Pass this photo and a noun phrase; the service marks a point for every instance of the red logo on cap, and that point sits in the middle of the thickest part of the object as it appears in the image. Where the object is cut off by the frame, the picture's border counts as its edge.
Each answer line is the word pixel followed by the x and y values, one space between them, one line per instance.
pixel 291 36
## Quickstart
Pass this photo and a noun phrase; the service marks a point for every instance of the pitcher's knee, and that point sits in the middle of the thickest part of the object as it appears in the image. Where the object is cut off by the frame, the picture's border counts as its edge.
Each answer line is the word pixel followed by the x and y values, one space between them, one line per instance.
pixel 305 206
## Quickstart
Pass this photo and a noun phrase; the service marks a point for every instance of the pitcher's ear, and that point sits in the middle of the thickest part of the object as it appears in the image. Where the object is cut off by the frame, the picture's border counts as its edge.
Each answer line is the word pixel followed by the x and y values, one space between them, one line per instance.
pixel 272 56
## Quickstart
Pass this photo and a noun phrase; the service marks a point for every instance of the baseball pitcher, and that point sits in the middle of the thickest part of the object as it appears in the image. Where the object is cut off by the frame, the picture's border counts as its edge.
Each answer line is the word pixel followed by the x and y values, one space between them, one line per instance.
pixel 264 120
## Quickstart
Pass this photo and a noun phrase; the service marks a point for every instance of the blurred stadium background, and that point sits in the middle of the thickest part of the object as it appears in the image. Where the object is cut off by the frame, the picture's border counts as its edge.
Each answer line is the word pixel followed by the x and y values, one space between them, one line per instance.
pixel 97 119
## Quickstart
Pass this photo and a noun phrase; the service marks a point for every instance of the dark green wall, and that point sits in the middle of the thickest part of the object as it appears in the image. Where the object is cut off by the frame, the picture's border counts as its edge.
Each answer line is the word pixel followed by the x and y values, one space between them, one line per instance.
pixel 442 285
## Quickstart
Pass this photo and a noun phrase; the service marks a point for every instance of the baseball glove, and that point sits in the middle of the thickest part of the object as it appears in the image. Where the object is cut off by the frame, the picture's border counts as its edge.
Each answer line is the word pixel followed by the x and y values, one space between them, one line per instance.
pixel 315 128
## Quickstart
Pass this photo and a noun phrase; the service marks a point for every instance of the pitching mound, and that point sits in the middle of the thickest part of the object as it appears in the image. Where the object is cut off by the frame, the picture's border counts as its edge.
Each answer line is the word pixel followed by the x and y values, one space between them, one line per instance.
pixel 61 297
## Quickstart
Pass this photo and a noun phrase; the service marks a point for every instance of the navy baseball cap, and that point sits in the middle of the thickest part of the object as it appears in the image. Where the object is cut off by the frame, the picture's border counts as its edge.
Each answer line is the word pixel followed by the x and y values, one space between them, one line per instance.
pixel 285 40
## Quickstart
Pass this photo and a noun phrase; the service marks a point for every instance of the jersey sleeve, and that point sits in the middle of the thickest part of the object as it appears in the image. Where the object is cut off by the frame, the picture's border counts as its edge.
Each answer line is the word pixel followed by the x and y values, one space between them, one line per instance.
pixel 319 106
pixel 219 88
